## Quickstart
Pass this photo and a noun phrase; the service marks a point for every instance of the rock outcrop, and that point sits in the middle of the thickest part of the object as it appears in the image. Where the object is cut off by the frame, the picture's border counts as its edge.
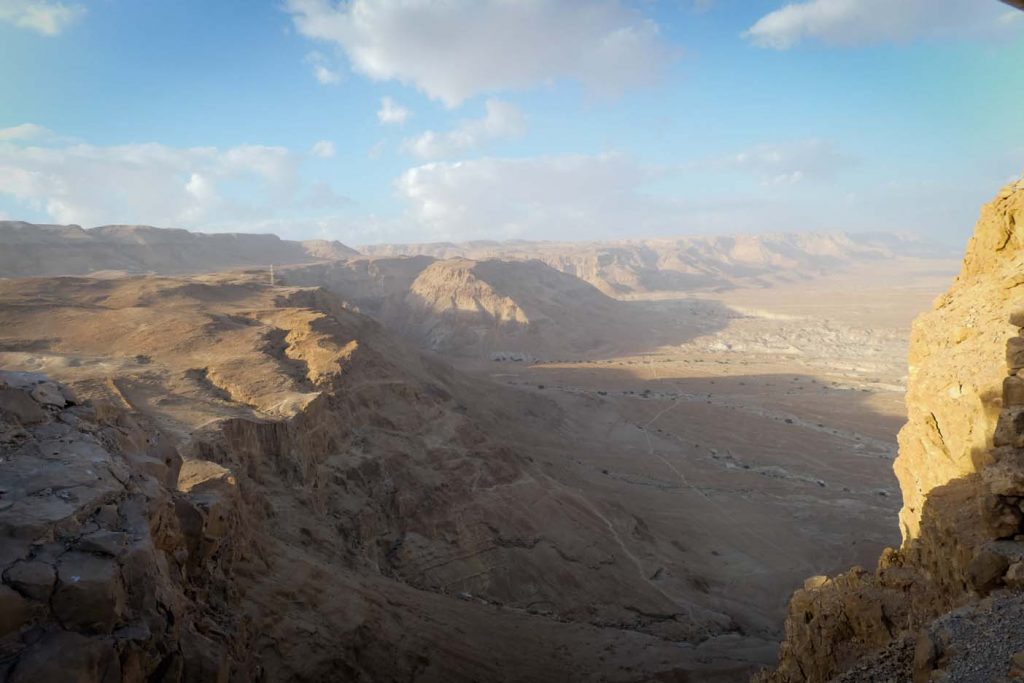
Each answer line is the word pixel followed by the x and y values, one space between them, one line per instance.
pixel 961 470
pixel 249 482
pixel 109 573
pixel 461 307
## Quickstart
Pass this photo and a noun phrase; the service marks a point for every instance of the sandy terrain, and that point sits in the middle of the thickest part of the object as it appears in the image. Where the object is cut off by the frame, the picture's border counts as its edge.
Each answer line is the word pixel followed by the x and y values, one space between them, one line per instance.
pixel 768 435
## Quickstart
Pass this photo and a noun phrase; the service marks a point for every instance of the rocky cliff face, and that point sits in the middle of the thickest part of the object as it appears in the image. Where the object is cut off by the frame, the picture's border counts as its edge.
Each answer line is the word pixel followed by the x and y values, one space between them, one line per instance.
pixel 462 307
pixel 257 483
pixel 961 470
pixel 109 574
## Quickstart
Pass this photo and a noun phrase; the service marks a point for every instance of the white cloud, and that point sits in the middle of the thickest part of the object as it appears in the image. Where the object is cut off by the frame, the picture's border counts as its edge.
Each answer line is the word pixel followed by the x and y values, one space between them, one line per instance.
pixel 322 72
pixel 787 163
pixel 147 183
pixel 857 22
pixel 323 149
pixel 41 16
pixel 390 112
pixel 459 48
pixel 325 76
pixel 501 120
pixel 574 196
pixel 25 131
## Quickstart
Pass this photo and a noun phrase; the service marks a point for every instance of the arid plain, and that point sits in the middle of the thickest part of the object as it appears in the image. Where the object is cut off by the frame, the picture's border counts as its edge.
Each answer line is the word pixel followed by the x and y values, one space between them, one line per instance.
pixel 761 443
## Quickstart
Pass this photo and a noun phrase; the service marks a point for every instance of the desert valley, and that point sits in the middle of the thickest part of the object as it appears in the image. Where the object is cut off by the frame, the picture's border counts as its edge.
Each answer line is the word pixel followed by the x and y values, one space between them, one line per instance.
pixel 625 478
pixel 512 341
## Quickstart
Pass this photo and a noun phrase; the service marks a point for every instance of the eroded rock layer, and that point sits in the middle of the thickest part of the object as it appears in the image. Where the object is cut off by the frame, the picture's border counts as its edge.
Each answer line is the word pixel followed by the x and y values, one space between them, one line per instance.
pixel 234 481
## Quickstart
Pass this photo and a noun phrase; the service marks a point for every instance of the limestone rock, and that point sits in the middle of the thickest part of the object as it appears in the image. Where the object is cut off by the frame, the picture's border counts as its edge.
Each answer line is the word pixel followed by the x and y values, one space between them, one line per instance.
pixel 112 543
pixel 1015 354
pixel 926 656
pixel 32 578
pixel 90 594
pixel 1017 665
pixel 1010 429
pixel 66 657
pixel 14 611
pixel 20 406
pixel 48 394
pixel 1013 391
pixel 1014 577
pixel 961 473
pixel 815 582
pixel 986 570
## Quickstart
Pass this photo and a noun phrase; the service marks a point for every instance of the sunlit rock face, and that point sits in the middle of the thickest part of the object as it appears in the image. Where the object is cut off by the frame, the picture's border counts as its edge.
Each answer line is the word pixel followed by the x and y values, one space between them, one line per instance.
pixel 961 471
pixel 958 361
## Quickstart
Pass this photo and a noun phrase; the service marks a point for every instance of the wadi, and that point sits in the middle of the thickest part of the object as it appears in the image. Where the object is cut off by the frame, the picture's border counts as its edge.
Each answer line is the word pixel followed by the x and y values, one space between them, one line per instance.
pixel 280 478
pixel 394 341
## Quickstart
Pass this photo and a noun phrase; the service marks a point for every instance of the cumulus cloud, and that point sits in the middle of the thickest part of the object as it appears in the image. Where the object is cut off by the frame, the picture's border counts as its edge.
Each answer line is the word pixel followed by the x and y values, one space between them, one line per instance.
pixel 575 196
pixel 322 71
pixel 613 196
pixel 323 149
pixel 146 183
pixel 858 22
pixel 456 49
pixel 41 16
pixel 25 131
pixel 501 120
pixel 787 163
pixel 390 112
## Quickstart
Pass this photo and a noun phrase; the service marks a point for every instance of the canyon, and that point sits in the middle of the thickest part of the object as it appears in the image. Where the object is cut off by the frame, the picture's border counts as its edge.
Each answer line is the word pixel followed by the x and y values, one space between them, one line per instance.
pixel 499 462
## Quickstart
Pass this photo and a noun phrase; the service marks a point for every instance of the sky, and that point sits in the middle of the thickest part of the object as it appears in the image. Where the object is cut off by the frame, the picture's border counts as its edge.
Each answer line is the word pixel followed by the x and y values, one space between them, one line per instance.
pixel 373 121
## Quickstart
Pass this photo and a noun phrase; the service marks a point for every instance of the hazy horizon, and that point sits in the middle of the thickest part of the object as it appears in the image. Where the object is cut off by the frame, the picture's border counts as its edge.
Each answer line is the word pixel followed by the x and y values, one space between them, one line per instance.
pixel 369 122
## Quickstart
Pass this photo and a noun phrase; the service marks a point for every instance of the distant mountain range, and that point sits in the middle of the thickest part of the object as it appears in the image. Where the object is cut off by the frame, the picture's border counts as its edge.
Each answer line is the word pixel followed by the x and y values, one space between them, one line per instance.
pixel 618 269
pixel 28 250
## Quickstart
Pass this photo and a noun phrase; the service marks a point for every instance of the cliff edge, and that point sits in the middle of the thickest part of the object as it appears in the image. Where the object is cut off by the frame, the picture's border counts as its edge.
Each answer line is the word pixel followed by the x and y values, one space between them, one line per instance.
pixel 961 471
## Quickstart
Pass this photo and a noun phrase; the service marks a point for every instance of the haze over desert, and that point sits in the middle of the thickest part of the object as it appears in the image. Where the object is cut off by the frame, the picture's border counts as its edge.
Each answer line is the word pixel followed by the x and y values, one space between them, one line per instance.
pixel 379 341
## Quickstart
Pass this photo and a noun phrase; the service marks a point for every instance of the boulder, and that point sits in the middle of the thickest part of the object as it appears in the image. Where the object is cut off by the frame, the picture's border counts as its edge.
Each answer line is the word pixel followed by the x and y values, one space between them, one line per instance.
pixel 14 611
pixel 987 569
pixel 48 394
pixel 1015 576
pixel 66 657
pixel 1010 428
pixel 1013 391
pixel 103 542
pixel 90 594
pixel 1015 354
pixel 21 407
pixel 32 578
pixel 1017 666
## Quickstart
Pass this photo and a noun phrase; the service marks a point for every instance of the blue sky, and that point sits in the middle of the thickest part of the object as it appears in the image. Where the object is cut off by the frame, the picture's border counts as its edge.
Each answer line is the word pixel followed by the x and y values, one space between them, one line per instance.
pixel 417 120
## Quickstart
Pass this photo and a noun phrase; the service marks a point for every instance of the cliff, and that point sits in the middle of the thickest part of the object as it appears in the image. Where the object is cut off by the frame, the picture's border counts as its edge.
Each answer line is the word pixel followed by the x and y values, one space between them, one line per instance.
pixel 460 307
pixel 961 471
pixel 237 482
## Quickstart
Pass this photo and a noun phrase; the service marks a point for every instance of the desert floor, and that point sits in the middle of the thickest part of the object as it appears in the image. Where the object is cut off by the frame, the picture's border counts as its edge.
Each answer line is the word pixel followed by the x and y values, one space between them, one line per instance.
pixel 759 450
